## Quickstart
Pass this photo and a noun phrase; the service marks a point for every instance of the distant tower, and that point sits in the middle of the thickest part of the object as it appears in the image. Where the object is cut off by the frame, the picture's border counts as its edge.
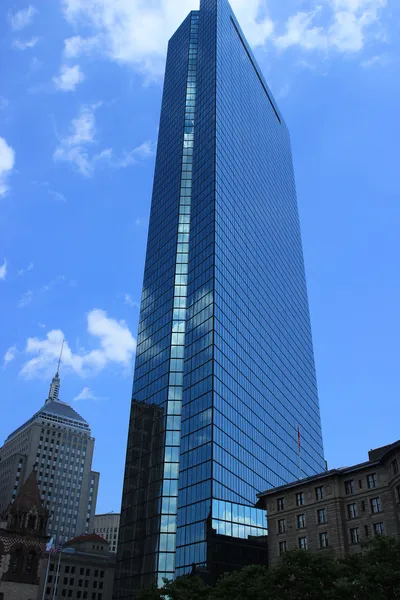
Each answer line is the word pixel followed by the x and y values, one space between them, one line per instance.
pixel 55 382
pixel 57 443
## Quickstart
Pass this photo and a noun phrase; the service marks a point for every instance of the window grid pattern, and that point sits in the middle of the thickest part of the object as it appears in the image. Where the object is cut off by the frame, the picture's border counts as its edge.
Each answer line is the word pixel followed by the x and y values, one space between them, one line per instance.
pixel 166 564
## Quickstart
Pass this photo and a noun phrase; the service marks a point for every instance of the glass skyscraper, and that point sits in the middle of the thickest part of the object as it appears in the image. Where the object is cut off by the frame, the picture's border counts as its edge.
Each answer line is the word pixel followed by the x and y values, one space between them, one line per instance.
pixel 225 373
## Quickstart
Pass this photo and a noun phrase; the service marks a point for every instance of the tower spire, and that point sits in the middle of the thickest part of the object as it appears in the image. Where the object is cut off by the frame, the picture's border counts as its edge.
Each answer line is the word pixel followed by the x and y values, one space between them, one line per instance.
pixel 59 360
pixel 55 383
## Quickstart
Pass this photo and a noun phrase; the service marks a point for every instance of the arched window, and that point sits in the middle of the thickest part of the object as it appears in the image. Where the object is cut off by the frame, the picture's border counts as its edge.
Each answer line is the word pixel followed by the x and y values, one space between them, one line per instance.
pixel 16 561
pixel 32 563
pixel 31 522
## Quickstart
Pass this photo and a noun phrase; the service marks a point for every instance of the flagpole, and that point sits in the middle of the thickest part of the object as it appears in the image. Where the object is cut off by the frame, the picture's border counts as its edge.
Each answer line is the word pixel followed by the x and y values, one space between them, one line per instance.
pixel 55 589
pixel 46 577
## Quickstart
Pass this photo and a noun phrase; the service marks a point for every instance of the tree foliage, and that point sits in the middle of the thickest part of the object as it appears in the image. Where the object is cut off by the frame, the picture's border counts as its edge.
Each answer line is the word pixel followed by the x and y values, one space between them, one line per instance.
pixel 374 574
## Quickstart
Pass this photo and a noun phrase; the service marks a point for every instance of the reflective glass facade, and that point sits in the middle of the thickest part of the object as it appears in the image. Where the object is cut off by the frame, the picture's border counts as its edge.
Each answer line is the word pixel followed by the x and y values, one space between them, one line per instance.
pixel 224 370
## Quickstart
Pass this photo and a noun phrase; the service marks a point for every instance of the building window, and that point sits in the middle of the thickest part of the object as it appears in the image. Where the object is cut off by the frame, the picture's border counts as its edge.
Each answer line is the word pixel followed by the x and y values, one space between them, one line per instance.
pixel 352 511
pixel 363 508
pixel 280 504
pixel 349 486
pixel 323 540
pixel 379 529
pixel 300 499
pixel 322 516
pixel 372 481
pixel 395 467
pixel 355 535
pixel 319 493
pixel 301 521
pixel 282 548
pixel 366 531
pixel 281 525
pixel 376 505
pixel 303 545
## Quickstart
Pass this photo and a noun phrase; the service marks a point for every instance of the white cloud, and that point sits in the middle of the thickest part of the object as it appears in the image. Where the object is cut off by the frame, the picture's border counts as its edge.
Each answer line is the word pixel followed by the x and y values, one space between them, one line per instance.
pixel 7 161
pixel 69 78
pixel 115 345
pixel 136 32
pixel 10 355
pixel 75 148
pixel 30 267
pixel 77 45
pixel 129 301
pixel 28 296
pixel 22 18
pixel 25 299
pixel 284 91
pixel 25 44
pixel 3 270
pixel 86 394
pixel 145 150
pixel 348 24
pixel 379 60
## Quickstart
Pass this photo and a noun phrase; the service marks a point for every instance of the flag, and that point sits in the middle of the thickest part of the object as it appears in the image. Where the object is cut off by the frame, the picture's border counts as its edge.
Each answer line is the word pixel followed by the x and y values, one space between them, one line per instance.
pixel 52 548
pixel 298 439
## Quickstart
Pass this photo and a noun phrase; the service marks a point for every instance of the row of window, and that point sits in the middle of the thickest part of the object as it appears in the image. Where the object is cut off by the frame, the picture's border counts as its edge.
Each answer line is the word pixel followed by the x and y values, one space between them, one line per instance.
pixel 78 594
pixel 323 538
pixel 300 498
pixel 350 488
pixel 82 571
pixel 321 516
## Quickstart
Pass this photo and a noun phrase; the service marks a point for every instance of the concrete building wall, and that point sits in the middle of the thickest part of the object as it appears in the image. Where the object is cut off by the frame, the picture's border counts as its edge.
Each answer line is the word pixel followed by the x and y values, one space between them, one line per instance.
pixel 89 574
pixel 18 591
pixel 107 526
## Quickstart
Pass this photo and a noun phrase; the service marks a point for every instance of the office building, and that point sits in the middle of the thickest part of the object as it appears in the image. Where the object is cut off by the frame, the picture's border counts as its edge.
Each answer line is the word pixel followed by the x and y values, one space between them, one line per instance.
pixel 224 345
pixel 107 526
pixel 22 543
pixel 56 442
pixel 83 571
pixel 335 510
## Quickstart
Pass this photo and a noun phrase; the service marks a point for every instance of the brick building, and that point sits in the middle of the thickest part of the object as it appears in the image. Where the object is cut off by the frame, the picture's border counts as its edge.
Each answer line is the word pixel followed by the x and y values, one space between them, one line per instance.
pixel 335 510
pixel 22 543
pixel 85 570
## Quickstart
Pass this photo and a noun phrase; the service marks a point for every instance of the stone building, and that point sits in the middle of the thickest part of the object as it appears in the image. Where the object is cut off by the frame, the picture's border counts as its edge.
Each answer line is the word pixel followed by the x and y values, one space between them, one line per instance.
pixel 22 543
pixel 335 510
pixel 107 526
pixel 85 570
pixel 57 443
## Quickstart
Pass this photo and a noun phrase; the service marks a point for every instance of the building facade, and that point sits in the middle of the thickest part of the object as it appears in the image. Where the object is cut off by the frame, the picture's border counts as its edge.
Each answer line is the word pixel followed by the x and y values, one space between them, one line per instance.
pixel 224 346
pixel 84 570
pixel 22 543
pixel 57 443
pixel 107 526
pixel 334 511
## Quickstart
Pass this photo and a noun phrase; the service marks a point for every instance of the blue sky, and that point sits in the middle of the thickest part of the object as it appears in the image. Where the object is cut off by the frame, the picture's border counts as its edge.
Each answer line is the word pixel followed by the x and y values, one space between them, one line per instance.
pixel 80 93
